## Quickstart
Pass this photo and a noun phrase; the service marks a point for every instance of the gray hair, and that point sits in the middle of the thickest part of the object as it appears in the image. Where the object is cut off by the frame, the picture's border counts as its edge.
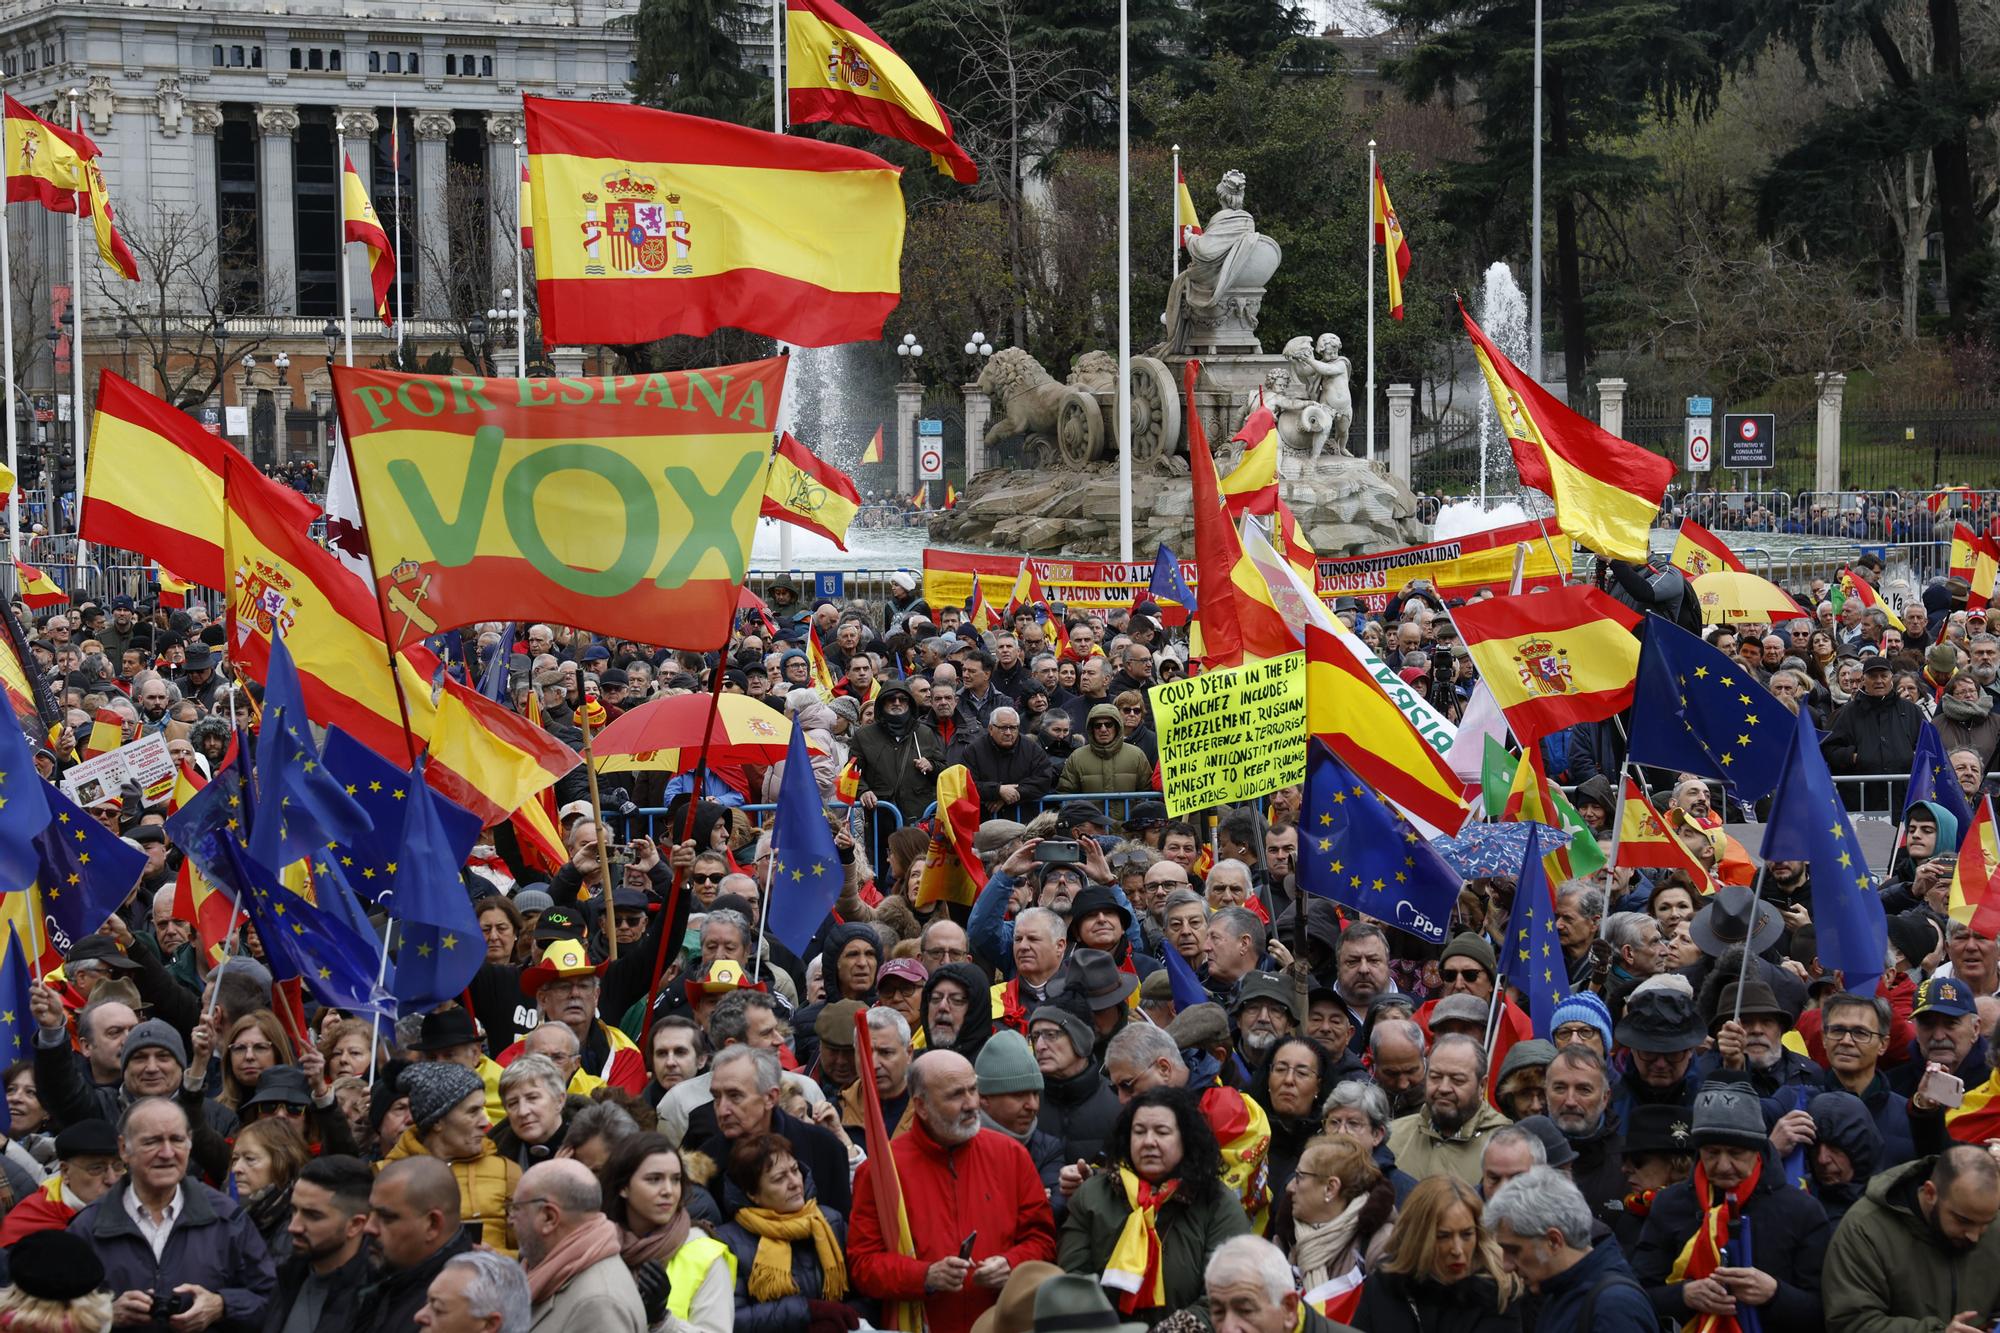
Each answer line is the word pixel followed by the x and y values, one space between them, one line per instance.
pixel 1255 1258
pixel 1241 921
pixel 765 1068
pixel 1626 929
pixel 1180 898
pixel 559 1031
pixel 1142 1044
pixel 1054 922
pixel 600 1120
pixel 495 1285
pixel 1362 1096
pixel 1538 1152
pixel 881 1018
pixel 1405 1028
pixel 726 916
pixel 1453 1040
pixel 729 1021
pixel 1592 899
pixel 1537 1202
pixel 1230 863
pixel 528 1068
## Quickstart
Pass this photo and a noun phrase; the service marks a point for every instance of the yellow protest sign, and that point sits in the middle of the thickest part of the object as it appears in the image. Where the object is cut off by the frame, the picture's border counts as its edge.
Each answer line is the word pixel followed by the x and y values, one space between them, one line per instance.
pixel 1234 735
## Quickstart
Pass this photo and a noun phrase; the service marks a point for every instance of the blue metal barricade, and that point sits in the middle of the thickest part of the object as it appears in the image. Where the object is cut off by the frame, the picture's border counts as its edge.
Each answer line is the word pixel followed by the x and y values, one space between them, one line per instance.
pixel 871 833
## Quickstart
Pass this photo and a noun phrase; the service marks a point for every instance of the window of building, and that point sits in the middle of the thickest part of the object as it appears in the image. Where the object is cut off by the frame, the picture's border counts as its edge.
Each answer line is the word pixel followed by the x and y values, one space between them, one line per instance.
pixel 392 180
pixel 11 64
pixel 298 58
pixel 316 213
pixel 374 62
pixel 241 254
pixel 256 57
pixel 395 62
pixel 415 63
pixel 49 53
pixel 486 67
pixel 451 64
pixel 333 61
pixel 316 58
pixel 31 60
pixel 236 57
pixel 214 56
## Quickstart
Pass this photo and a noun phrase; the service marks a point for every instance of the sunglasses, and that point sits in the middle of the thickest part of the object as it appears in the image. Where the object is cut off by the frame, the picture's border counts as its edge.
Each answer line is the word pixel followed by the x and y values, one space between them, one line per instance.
pixel 707 877
pixel 1462 974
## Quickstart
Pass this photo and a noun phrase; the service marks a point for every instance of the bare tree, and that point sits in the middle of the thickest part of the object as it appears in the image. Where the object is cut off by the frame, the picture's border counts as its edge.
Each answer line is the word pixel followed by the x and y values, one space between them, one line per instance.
pixel 466 261
pixel 182 291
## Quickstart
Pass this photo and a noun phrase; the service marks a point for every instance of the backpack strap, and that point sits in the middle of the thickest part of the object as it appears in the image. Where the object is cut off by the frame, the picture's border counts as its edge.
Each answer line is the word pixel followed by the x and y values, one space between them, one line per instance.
pixel 1589 1307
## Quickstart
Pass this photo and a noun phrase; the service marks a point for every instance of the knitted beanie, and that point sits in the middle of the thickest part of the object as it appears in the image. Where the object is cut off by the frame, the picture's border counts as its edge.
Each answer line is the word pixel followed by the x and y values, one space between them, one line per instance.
pixel 1005 1064
pixel 1584 1007
pixel 434 1087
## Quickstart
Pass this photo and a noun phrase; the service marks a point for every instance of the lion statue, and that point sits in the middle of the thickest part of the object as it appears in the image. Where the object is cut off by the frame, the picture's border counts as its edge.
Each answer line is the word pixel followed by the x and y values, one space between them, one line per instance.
pixel 1025 397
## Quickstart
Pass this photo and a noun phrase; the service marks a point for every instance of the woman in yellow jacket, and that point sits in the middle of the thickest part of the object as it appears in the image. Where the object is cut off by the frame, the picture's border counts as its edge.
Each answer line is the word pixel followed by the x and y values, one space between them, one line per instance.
pixel 448 1121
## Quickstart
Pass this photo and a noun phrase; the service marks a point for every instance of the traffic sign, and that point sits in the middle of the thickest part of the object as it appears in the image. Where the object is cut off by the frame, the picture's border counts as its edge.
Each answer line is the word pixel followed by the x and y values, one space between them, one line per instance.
pixel 930 426
pixel 1750 440
pixel 1700 445
pixel 1700 405
pixel 930 460
pixel 829 585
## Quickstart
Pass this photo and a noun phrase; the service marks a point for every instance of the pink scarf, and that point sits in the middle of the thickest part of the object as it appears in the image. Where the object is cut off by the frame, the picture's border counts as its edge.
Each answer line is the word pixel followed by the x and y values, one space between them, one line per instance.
pixel 591 1243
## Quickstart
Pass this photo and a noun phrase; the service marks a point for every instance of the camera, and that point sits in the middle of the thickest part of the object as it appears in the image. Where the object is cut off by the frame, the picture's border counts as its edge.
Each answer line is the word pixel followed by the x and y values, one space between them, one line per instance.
pixel 168 1303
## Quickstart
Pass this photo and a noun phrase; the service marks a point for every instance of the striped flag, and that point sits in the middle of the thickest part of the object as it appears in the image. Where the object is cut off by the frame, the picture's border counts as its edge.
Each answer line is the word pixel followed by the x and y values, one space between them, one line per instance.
pixel 1698 551
pixel 1973 880
pixel 822 673
pixel 1395 245
pixel 1187 222
pixel 525 212
pixel 837 69
pixel 173 590
pixel 38 590
pixel 953 871
pixel 1853 585
pixel 873 453
pixel 363 226
pixel 807 493
pixel 880 1179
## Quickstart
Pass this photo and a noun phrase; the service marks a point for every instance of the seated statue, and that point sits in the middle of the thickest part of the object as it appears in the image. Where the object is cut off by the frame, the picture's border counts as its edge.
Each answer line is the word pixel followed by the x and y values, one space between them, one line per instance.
pixel 1220 290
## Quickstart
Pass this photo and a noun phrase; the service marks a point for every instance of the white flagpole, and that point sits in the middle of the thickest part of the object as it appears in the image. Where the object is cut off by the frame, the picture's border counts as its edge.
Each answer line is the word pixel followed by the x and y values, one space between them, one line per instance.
pixel 778 67
pixel 396 183
pixel 1535 234
pixel 1368 262
pixel 76 340
pixel 7 350
pixel 346 251
pixel 1124 289
pixel 1176 210
pixel 520 274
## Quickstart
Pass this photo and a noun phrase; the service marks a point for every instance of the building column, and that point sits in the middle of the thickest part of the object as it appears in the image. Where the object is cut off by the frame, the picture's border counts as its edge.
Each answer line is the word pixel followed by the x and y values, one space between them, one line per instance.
pixel 503 195
pixel 433 128
pixel 978 411
pixel 909 402
pixel 356 126
pixel 207 119
pixel 1826 457
pixel 1611 406
pixel 276 189
pixel 1402 414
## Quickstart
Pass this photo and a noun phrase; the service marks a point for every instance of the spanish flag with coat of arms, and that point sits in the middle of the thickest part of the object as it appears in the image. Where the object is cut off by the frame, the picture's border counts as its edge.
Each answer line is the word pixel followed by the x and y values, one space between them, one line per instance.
pixel 1553 659
pixel 361 224
pixel 837 69
pixel 57 168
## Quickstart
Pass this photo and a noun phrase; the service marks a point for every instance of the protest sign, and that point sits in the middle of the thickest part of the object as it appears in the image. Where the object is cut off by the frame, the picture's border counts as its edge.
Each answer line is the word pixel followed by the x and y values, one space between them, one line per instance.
pixel 1234 735
pixel 144 762
pixel 1460 566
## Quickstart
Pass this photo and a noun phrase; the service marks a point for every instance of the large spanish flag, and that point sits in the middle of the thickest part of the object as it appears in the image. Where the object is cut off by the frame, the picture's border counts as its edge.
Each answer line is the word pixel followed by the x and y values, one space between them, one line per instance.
pixel 624 506
pixel 1985 574
pixel 807 493
pixel 362 225
pixel 1237 618
pixel 837 69
pixel 57 168
pixel 1347 709
pixel 37 589
pixel 154 484
pixel 488 759
pixel 654 223
pixel 1607 492
pixel 953 873
pixel 1853 585
pixel 1553 659
pixel 1395 245
pixel 15 686
pixel 1698 551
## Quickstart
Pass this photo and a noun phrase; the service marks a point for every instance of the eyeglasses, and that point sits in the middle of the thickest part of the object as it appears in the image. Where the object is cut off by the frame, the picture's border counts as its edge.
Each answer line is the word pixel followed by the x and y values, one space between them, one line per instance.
pixel 1462 973
pixel 1124 1086
pixel 515 1205
pixel 700 877
pixel 1132 709
pixel 949 955
pixel 1574 1032
pixel 1859 1036
pixel 252 1048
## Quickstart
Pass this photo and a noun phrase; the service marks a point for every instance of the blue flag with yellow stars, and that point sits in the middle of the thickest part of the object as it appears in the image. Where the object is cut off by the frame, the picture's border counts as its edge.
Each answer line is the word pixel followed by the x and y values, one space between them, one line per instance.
pixel 1931 778
pixel 1808 823
pixel 1186 982
pixel 1532 959
pixel 1358 850
pixel 1167 585
pixel 806 873
pixel 304 806
pixel 409 867
pixel 1702 712
pixel 17 1025
pixel 337 963
pixel 85 871
pixel 23 812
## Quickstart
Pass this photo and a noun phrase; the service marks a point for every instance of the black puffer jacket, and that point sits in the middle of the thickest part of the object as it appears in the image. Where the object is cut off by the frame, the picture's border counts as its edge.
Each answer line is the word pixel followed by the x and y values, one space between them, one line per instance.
pixel 1844 1121
pixel 1872 735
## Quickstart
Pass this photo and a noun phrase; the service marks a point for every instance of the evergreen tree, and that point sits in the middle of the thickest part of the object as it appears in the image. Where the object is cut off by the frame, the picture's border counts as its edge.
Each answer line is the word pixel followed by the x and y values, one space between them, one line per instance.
pixel 690 58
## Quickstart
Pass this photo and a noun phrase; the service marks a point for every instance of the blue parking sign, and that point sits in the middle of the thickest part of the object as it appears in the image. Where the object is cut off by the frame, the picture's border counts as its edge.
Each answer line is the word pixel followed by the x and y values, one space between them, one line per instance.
pixel 829 584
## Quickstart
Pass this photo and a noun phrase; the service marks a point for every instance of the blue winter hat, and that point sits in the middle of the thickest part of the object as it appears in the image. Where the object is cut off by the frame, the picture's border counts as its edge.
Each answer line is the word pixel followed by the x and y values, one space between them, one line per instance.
pixel 1584 1007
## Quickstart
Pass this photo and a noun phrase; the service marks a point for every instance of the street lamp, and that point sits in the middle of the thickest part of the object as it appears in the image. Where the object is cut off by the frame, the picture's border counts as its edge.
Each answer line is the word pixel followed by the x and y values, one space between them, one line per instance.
pixel 332 335
pixel 978 346
pixel 506 315
pixel 909 349
pixel 218 331
pixel 125 335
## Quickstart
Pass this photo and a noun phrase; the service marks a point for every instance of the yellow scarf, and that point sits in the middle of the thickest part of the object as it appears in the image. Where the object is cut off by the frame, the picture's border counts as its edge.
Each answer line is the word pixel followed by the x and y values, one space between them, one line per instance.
pixel 1134 1269
pixel 771 1269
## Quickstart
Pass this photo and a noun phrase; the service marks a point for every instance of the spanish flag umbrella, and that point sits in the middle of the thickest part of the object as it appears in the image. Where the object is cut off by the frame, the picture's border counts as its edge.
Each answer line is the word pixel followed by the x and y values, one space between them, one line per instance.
pixel 1730 595
pixel 665 735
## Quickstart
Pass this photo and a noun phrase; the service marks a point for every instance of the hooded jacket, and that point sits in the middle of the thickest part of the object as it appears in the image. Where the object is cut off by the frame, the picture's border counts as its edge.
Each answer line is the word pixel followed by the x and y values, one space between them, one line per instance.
pixel 1843 1122
pixel 1887 1272
pixel 1097 766
pixel 1079 1110
pixel 889 760
pixel 1788 1232
pixel 805 1035
pixel 978 1019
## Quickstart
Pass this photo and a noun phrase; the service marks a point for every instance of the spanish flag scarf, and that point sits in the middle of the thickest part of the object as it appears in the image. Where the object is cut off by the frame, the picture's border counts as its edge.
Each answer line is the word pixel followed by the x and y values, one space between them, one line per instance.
pixel 1702 1254
pixel 1134 1269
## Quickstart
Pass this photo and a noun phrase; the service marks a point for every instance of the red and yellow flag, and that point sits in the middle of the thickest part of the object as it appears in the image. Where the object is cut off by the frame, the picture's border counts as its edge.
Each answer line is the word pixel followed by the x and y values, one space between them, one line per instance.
pixel 837 69
pixel 979 612
pixel 803 491
pixel 15 686
pixel 1553 659
pixel 950 496
pixel 822 672
pixel 847 782
pixel 37 589
pixel 1698 551
pixel 1977 1118
pixel 1292 544
pixel 489 759
pixel 524 210
pixel 1347 709
pixel 362 225
pixel 197 901
pixel 173 590
pixel 1187 222
pixel 154 484
pixel 107 733
pixel 953 872
pixel 1252 485
pixel 661 223
pixel 1607 493
pixel 1236 618
pixel 1853 585
pixel 1985 573
pixel 873 453
pixel 1395 245
pixel 1974 879
pixel 881 1180
pixel 1964 550
pixel 1644 839
pixel 58 169
pixel 485 502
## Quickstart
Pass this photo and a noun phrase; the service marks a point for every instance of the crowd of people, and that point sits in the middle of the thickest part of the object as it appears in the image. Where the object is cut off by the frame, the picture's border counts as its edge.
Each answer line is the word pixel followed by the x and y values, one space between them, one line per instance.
pixel 1345 1125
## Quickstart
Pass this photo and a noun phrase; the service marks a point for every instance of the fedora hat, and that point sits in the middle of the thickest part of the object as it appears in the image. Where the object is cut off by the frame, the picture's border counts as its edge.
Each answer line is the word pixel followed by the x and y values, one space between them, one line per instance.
pixel 1733 915
pixel 1070 1303
pixel 1014 1312
pixel 1758 999
pixel 445 1029
pixel 1101 982
pixel 1662 1022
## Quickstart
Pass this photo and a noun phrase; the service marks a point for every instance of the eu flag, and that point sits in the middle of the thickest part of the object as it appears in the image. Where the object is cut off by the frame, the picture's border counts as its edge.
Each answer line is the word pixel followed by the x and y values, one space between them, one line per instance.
pixel 86 872
pixel 1931 778
pixel 1167 585
pixel 493 680
pixel 1186 982
pixel 806 873
pixel 1358 850
pixel 1532 959
pixel 17 1025
pixel 23 812
pixel 304 807
pixel 1808 823
pixel 1704 713
pixel 337 963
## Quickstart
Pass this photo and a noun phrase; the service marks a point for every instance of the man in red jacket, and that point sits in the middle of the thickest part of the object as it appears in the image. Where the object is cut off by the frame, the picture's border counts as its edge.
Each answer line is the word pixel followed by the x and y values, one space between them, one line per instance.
pixel 961 1184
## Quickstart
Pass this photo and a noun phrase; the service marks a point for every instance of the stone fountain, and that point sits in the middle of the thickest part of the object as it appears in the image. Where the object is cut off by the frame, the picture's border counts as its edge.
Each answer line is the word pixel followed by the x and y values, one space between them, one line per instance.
pixel 1066 501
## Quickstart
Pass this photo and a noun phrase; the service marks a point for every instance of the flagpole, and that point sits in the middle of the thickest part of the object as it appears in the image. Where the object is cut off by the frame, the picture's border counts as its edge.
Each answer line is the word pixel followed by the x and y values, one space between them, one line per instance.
pixel 396 250
pixel 520 274
pixel 694 805
pixel 1176 211
pixel 1535 226
pixel 1124 287
pixel 346 254
pixel 608 911
pixel 778 67
pixel 1368 262
pixel 76 341
pixel 7 350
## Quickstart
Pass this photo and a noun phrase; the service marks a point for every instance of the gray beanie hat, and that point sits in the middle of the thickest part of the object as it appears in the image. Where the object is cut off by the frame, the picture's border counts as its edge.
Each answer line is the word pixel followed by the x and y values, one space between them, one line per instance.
pixel 154 1033
pixel 1005 1064
pixel 1730 1117
pixel 434 1087
pixel 1073 1026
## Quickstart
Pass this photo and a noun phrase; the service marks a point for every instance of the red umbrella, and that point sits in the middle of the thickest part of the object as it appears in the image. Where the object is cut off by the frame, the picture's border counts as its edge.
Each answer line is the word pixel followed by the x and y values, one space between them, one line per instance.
pixel 666 735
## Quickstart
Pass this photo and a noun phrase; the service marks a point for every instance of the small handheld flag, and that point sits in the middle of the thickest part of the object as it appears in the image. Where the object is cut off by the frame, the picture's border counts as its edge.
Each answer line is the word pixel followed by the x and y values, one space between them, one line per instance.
pixel 1186 221
pixel 807 493
pixel 873 453
pixel 806 873
pixel 1532 959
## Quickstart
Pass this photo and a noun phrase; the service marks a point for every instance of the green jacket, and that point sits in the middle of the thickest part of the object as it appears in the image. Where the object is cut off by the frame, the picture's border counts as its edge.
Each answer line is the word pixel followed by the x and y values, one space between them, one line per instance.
pixel 1120 766
pixel 1189 1233
pixel 1422 1151
pixel 1885 1273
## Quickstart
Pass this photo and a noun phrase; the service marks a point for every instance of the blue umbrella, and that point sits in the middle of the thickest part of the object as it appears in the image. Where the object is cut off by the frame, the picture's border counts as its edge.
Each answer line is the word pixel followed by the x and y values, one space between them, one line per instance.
pixel 1482 851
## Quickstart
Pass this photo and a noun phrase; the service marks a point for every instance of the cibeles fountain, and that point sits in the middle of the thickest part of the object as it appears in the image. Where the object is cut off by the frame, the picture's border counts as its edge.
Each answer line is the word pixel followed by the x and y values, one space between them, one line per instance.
pixel 1066 501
